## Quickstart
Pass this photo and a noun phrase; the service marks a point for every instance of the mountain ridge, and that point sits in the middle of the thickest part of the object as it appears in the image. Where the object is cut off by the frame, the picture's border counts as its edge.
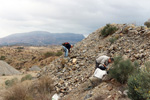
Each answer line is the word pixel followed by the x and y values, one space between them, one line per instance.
pixel 41 38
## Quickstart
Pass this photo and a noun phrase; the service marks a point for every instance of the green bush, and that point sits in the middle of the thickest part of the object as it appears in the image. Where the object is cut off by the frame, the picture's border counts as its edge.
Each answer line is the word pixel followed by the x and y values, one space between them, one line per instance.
pixel 27 77
pixel 20 47
pixel 108 30
pixel 11 82
pixel 112 39
pixel 147 24
pixel 2 58
pixel 59 53
pixel 121 69
pixel 139 84
pixel 49 54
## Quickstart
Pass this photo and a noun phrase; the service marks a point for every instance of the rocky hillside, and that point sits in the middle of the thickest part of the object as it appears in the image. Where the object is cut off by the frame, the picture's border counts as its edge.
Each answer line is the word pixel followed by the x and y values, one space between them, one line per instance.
pixel 71 73
pixel 40 38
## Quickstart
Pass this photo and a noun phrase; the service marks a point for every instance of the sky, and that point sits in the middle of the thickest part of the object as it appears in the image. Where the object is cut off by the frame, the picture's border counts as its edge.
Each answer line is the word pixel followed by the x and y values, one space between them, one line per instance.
pixel 73 16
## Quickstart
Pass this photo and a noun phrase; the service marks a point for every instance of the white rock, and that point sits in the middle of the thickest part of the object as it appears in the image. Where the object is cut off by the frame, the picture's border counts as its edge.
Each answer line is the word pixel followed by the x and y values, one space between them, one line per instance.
pixel 55 97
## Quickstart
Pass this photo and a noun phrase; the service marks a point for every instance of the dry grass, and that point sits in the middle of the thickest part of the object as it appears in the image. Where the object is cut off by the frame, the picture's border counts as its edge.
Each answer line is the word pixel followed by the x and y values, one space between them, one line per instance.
pixel 17 92
pixel 41 90
pixel 45 85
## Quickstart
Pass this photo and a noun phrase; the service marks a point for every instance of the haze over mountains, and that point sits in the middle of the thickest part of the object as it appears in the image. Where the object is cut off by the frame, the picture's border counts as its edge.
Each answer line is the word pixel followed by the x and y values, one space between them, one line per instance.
pixel 41 38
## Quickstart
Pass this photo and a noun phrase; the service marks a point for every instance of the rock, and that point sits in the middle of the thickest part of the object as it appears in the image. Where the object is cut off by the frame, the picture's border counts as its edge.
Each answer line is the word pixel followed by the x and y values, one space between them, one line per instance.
pixel 95 81
pixel 125 92
pixel 55 97
pixel 106 78
pixel 100 47
pixel 109 87
pixel 87 96
pixel 38 75
pixel 74 60
pixel 133 32
pixel 34 68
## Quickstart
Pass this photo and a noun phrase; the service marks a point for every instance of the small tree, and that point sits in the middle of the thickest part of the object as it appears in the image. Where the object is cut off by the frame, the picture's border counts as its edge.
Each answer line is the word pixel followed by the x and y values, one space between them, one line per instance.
pixel 139 84
pixel 108 30
pixel 59 53
pixel 2 58
pixel 49 54
pixel 147 23
pixel 121 69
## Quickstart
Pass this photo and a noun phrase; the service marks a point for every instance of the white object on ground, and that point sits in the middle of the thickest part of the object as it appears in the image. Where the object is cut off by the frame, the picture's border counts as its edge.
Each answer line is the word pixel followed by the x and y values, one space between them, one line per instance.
pixel 99 73
pixel 55 97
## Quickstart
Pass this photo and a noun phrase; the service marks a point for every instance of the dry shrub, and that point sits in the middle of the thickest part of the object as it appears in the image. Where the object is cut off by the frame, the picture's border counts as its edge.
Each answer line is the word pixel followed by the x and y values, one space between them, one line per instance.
pixel 44 85
pixel 41 90
pixel 18 92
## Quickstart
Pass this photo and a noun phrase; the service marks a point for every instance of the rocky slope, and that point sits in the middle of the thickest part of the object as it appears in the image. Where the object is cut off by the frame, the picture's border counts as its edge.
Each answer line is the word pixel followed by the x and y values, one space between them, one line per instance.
pixel 72 73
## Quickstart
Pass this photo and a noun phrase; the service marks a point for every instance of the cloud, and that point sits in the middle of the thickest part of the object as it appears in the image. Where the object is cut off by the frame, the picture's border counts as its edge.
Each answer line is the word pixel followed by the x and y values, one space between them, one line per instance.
pixel 76 16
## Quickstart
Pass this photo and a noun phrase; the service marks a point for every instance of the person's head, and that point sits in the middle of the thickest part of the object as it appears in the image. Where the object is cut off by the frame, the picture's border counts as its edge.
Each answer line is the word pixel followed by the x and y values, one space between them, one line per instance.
pixel 110 60
pixel 72 46
pixel 63 43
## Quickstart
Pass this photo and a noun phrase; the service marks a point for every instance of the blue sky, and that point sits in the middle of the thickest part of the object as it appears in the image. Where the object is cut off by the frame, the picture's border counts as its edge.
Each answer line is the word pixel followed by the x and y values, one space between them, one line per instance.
pixel 75 16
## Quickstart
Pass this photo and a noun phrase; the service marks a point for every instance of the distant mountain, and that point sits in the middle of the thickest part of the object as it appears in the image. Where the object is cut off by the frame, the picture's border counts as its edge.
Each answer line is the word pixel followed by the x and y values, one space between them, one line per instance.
pixel 40 38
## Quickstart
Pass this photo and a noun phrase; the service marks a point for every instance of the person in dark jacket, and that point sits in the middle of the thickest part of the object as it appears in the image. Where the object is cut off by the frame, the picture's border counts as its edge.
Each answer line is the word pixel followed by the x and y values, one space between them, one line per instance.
pixel 66 47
